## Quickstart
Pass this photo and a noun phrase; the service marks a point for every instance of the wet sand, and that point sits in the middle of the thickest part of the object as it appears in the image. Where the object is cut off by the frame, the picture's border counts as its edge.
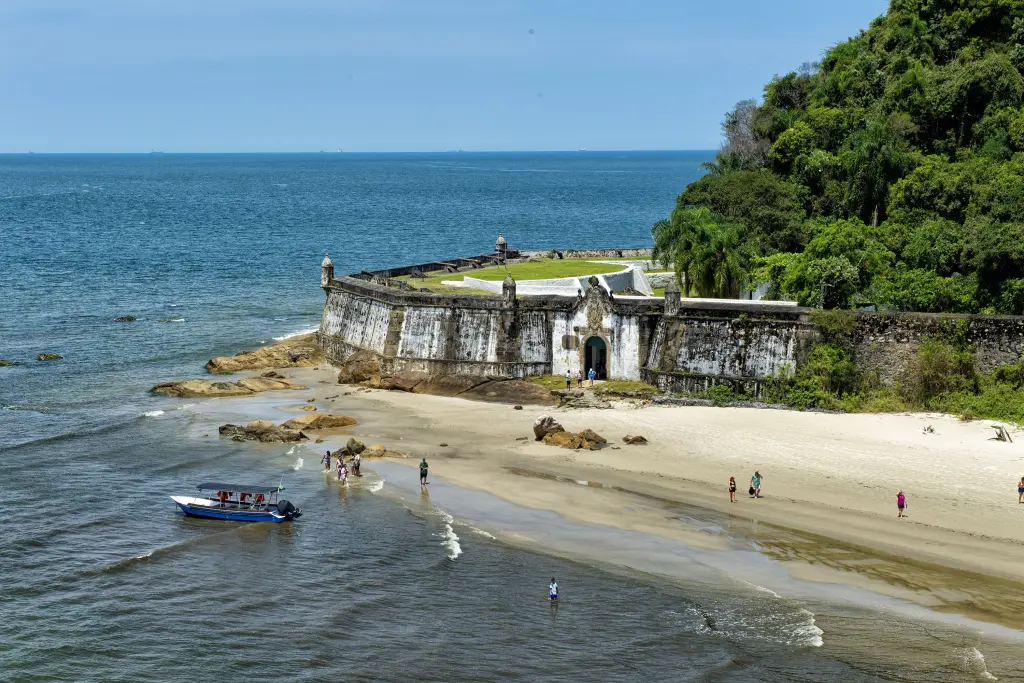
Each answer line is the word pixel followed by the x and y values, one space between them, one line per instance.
pixel 828 514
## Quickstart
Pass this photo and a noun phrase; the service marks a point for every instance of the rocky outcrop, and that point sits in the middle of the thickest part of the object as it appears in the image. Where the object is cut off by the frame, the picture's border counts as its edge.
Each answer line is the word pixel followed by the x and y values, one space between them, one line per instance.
pixel 316 423
pixel 634 440
pixel 294 352
pixel 544 425
pixel 515 391
pixel 125 319
pixel 361 366
pixel 449 385
pixel 8 363
pixel 576 441
pixel 49 356
pixel 263 431
pixel 205 388
pixel 474 387
pixel 403 381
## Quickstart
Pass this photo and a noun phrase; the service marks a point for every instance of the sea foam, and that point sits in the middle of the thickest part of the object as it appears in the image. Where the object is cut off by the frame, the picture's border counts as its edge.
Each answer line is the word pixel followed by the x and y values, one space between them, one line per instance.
pixel 449 539
pixel 296 334
pixel 153 413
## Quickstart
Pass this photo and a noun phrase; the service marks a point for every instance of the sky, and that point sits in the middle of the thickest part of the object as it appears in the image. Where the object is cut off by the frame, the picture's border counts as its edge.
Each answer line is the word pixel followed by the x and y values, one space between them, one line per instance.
pixel 396 75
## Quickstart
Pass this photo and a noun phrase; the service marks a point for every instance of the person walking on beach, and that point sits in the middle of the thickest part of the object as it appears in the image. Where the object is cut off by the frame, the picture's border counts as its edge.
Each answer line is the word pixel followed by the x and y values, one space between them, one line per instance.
pixel 1020 490
pixel 326 460
pixel 732 489
pixel 901 503
pixel 568 379
pixel 553 590
pixel 579 378
pixel 423 472
pixel 755 483
pixel 591 375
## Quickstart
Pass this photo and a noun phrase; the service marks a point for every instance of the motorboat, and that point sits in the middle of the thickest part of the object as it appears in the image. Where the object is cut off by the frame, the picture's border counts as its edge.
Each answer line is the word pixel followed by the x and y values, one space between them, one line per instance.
pixel 238 503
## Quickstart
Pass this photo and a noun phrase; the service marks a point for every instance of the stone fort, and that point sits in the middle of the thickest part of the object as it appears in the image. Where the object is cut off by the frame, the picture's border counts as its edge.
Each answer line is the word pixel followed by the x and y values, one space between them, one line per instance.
pixel 610 322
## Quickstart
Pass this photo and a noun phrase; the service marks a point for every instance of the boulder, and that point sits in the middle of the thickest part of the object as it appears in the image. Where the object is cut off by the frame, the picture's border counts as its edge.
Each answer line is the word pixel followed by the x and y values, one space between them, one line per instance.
pixel 515 391
pixel 8 363
pixel 318 422
pixel 205 388
pixel 295 352
pixel 448 385
pixel 361 366
pixel 49 356
pixel 308 409
pixel 125 319
pixel 544 425
pixel 403 381
pixel 634 440
pixel 263 431
pixel 258 384
pixel 593 437
pixel 571 441
pixel 376 451
pixel 354 447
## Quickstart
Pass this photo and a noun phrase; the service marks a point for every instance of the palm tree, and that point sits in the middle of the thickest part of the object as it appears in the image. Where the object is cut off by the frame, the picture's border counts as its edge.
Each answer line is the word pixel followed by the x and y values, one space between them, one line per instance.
pixel 705 250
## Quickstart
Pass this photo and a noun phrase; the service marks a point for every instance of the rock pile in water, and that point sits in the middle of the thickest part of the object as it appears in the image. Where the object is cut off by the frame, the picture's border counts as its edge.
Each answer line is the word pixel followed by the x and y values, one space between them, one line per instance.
pixel 205 388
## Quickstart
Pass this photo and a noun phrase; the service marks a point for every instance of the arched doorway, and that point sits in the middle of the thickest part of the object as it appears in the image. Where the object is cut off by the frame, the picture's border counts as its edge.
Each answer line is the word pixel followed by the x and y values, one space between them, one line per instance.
pixel 595 355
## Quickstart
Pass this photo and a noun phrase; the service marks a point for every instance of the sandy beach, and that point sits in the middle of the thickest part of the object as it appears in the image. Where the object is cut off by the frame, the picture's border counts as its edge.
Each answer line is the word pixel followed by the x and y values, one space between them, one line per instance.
pixel 830 482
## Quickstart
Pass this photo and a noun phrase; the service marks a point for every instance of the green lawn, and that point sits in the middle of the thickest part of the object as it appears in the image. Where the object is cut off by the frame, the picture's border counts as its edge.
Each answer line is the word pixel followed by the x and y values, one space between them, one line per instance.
pixel 541 270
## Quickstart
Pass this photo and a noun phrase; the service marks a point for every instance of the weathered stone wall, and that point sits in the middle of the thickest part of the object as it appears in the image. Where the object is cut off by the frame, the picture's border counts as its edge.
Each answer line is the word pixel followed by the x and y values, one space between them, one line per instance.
pixel 680 347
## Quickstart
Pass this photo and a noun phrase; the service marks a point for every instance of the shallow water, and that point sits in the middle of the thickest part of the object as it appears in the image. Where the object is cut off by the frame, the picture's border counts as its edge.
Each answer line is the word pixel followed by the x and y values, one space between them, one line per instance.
pixel 102 580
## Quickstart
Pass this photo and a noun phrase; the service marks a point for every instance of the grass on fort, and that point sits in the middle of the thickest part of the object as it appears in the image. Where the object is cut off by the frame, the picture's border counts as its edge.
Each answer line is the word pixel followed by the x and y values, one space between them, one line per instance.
pixel 542 269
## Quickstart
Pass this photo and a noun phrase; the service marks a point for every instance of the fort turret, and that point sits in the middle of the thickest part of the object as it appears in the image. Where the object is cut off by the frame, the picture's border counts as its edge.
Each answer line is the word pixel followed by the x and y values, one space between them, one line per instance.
pixel 508 289
pixel 501 247
pixel 326 271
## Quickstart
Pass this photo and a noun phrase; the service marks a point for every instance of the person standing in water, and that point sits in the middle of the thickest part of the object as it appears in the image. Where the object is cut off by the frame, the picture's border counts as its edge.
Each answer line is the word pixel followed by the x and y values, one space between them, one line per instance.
pixel 355 465
pixel 732 489
pixel 553 590
pixel 755 483
pixel 326 460
pixel 901 503
pixel 423 472
pixel 341 464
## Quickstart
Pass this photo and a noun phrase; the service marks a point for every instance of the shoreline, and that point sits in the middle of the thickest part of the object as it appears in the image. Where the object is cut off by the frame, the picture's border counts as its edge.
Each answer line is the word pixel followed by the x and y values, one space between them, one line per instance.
pixel 818 521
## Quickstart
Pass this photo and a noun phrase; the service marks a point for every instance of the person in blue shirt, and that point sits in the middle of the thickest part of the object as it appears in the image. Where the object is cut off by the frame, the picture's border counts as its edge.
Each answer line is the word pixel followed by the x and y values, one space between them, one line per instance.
pixel 591 375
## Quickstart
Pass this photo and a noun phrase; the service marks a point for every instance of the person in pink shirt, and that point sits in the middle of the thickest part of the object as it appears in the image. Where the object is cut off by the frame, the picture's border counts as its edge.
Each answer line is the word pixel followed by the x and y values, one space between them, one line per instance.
pixel 901 502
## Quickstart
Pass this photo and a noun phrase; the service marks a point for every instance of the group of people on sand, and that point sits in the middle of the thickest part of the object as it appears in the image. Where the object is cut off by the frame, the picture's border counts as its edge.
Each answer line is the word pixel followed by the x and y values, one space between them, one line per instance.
pixel 591 376
pixel 343 467
pixel 755 487
pixel 901 498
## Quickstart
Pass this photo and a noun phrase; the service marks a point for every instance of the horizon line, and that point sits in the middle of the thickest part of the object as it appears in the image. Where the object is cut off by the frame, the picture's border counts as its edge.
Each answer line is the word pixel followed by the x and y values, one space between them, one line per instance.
pixel 335 153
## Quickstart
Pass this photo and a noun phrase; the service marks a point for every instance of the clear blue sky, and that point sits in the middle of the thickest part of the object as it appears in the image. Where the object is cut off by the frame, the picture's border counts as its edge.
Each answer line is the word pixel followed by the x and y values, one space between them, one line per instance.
pixel 395 75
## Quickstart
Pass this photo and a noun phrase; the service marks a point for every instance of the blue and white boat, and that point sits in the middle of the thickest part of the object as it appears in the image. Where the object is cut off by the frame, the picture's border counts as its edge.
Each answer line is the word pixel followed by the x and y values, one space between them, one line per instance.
pixel 238 503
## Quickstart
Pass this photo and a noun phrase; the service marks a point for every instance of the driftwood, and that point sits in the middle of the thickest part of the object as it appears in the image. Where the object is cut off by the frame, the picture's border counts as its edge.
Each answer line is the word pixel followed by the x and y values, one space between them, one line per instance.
pixel 1002 434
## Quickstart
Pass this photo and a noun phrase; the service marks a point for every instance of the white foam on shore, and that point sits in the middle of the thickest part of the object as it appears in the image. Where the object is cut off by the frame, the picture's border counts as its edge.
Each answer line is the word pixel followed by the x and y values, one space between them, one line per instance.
pixel 974 662
pixel 153 413
pixel 375 486
pixel 449 538
pixel 310 330
pixel 809 633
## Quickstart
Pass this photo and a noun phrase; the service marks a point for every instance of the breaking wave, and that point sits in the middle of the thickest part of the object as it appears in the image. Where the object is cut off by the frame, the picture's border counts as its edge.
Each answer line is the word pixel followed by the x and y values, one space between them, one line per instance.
pixel 449 539
pixel 310 330
pixel 153 413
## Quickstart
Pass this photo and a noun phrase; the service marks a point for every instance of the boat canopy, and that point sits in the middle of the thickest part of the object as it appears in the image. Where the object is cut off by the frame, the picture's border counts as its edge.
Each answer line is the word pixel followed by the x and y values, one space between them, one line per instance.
pixel 237 488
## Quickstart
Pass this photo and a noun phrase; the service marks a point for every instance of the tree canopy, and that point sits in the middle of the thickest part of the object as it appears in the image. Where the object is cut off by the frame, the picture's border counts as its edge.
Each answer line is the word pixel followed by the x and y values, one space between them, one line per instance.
pixel 892 173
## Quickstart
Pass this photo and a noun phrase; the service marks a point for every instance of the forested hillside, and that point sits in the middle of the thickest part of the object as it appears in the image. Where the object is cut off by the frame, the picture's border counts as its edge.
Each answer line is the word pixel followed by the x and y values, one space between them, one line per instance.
pixel 892 173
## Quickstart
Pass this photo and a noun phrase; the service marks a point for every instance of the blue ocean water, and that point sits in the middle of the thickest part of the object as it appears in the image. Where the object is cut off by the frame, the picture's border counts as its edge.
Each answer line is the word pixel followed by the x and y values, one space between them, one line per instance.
pixel 214 253
pixel 100 580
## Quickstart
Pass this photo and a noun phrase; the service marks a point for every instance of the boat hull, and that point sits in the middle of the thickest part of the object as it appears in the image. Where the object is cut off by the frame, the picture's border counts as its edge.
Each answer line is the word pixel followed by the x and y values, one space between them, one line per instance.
pixel 210 509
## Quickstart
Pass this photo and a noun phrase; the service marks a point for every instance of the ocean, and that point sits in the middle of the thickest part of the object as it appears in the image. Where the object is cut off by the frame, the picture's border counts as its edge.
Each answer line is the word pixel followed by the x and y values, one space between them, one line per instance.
pixel 102 580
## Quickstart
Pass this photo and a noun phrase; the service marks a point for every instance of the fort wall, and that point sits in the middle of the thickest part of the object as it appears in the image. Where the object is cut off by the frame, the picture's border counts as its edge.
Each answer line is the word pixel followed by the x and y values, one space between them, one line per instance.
pixel 676 344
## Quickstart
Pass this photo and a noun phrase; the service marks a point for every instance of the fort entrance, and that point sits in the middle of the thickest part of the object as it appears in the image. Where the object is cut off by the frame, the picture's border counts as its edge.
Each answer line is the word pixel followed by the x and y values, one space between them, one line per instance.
pixel 595 355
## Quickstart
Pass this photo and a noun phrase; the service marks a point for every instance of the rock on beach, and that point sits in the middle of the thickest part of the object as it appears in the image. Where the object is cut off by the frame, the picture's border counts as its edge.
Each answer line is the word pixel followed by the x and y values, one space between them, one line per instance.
pixel 205 388
pixel 294 352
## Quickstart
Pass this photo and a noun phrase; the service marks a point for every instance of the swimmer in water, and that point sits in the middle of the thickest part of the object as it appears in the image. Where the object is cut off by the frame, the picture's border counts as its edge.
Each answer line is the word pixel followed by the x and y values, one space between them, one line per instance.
pixel 553 590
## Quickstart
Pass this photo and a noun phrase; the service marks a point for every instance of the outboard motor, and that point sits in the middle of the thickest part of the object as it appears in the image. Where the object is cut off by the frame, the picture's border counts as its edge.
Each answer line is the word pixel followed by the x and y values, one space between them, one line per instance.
pixel 289 511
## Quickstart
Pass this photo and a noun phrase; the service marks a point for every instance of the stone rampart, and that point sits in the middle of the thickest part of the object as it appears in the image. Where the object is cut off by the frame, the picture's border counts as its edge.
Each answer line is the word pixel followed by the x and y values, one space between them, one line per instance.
pixel 676 344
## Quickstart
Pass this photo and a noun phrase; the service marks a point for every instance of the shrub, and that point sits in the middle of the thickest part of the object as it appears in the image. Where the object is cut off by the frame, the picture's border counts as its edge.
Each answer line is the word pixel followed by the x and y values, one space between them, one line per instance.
pixel 720 394
pixel 938 368
pixel 833 367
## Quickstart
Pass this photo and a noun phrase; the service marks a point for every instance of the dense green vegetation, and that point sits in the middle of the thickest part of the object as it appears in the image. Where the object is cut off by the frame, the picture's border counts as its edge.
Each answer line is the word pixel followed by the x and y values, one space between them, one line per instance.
pixel 892 173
